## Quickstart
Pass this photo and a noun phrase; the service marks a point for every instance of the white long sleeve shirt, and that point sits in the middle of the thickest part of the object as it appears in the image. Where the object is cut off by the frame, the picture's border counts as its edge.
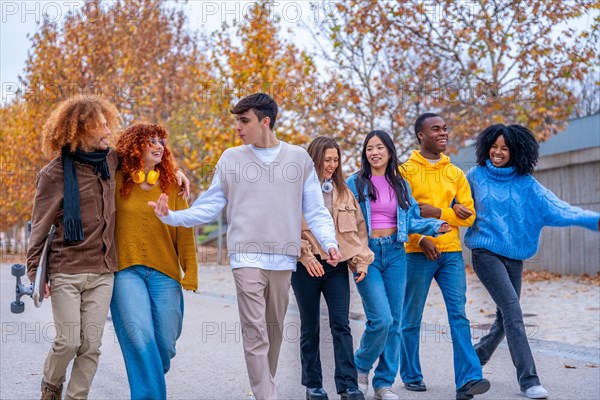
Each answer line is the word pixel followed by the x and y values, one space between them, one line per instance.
pixel 206 209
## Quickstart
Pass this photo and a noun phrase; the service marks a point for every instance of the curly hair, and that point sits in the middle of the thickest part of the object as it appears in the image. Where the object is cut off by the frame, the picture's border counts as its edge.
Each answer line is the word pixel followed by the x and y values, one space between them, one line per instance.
pixel 74 119
pixel 131 146
pixel 524 149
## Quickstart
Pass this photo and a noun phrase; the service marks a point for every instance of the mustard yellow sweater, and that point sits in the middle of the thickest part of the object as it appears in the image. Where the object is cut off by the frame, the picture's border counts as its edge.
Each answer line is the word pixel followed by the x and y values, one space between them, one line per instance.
pixel 143 240
pixel 439 185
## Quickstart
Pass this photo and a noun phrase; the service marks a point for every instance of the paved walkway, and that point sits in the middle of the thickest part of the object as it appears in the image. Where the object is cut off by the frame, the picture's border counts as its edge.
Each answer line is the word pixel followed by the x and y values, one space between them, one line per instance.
pixel 209 363
pixel 558 310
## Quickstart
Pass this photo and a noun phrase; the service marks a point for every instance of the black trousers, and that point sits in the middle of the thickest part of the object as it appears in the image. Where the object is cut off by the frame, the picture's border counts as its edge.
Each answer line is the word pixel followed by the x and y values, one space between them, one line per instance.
pixel 336 289
pixel 502 277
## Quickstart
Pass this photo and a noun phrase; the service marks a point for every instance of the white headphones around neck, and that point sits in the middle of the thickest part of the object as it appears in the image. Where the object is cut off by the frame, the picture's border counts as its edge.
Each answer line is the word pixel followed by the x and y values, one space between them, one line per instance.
pixel 327 186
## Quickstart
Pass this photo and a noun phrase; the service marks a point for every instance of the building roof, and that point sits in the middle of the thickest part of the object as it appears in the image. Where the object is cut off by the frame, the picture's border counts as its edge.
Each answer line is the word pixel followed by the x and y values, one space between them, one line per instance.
pixel 580 133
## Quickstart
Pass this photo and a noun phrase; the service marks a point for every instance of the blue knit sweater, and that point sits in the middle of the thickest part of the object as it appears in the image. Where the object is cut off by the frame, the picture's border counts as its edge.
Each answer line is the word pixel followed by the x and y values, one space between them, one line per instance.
pixel 512 209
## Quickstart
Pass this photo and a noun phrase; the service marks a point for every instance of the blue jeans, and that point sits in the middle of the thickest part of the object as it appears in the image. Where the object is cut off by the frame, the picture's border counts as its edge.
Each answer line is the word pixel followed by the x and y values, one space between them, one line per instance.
pixel 449 273
pixel 147 312
pixel 502 278
pixel 382 293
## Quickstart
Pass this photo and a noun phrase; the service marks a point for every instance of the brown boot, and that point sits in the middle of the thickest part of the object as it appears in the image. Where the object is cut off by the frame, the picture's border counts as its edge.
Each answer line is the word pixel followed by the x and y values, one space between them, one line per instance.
pixel 51 392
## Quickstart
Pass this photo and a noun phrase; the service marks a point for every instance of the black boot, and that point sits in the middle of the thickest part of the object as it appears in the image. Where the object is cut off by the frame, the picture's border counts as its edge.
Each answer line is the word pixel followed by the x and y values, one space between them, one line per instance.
pixel 316 394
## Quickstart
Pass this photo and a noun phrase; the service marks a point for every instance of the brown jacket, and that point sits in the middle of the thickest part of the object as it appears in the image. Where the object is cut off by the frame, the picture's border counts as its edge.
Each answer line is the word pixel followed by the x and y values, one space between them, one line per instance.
pixel 96 253
pixel 350 232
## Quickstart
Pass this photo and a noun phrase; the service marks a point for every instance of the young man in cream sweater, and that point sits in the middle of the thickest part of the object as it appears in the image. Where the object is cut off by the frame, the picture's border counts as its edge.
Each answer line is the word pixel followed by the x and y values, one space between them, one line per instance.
pixel 267 185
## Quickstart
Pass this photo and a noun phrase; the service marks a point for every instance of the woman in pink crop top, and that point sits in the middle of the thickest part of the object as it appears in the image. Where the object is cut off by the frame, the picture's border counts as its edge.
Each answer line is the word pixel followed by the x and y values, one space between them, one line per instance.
pixel 383 209
pixel 315 276
pixel 391 214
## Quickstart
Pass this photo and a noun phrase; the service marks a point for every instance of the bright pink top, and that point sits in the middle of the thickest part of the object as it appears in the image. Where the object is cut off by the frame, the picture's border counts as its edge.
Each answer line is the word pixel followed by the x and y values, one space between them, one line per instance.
pixel 384 209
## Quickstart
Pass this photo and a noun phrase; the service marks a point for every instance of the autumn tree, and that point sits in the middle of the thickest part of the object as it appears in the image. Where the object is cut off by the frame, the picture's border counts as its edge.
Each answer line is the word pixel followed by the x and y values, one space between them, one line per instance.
pixel 587 93
pixel 17 170
pixel 368 76
pixel 136 53
pixel 252 56
pixel 475 62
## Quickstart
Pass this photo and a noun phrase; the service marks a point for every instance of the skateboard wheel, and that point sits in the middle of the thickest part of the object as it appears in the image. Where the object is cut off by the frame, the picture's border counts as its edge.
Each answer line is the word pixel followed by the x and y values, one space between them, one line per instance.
pixel 17 270
pixel 17 307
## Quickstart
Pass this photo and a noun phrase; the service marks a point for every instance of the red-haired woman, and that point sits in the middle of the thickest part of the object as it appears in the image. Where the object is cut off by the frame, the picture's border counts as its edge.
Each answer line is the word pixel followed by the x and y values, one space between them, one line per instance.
pixel 155 261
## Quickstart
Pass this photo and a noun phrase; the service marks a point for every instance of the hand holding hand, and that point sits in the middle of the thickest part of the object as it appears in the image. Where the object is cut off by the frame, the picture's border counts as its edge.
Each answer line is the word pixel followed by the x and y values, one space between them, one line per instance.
pixel 334 256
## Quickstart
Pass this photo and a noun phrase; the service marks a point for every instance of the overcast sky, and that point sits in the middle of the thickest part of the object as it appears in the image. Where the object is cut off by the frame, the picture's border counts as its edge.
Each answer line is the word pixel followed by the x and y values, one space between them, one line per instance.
pixel 20 18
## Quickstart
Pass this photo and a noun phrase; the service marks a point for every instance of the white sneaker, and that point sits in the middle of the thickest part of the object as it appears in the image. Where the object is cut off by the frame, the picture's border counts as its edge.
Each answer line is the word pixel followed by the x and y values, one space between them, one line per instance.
pixel 536 392
pixel 385 393
pixel 363 382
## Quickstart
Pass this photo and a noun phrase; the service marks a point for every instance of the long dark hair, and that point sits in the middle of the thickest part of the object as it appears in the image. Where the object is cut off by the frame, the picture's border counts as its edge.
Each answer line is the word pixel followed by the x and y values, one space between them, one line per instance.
pixel 392 173
pixel 524 149
pixel 316 149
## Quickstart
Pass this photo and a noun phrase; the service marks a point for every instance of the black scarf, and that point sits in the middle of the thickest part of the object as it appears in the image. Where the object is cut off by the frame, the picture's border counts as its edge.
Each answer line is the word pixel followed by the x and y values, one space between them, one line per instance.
pixel 71 208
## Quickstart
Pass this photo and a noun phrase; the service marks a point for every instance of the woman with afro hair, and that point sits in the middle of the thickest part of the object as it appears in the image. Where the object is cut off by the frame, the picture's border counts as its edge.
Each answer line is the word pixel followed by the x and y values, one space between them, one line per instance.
pixel 155 261
pixel 512 208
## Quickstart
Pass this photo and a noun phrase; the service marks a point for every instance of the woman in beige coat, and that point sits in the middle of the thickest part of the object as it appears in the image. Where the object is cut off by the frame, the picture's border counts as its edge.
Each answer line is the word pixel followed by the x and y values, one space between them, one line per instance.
pixel 314 276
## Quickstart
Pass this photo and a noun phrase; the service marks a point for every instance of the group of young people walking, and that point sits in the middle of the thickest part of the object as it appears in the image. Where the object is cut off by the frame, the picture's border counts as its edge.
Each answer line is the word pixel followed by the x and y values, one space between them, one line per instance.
pixel 294 222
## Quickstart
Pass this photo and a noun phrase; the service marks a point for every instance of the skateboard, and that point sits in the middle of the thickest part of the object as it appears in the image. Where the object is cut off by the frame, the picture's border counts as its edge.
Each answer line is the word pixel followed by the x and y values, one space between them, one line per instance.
pixel 37 288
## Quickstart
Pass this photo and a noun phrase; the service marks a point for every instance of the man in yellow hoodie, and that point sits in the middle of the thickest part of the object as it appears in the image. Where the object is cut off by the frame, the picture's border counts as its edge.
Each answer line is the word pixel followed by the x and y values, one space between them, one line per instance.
pixel 437 185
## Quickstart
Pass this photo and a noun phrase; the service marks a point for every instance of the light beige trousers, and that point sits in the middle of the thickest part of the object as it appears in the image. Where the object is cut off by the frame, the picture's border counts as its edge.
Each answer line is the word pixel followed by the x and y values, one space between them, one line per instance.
pixel 80 304
pixel 263 298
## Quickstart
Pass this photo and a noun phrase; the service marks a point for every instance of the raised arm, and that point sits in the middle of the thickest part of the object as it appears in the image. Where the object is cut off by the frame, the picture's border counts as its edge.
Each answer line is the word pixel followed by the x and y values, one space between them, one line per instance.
pixel 556 212
pixel 205 209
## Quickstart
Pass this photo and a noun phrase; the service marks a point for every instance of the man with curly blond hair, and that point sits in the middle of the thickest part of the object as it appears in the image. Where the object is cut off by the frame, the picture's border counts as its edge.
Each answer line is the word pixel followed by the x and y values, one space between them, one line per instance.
pixel 76 192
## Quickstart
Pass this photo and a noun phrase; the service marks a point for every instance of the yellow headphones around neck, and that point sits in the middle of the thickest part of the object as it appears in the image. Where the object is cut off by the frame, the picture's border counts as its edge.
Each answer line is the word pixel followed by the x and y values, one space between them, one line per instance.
pixel 139 177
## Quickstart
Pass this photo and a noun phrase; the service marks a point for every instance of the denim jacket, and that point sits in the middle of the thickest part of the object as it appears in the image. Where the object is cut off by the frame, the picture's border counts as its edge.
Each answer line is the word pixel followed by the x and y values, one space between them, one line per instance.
pixel 409 221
